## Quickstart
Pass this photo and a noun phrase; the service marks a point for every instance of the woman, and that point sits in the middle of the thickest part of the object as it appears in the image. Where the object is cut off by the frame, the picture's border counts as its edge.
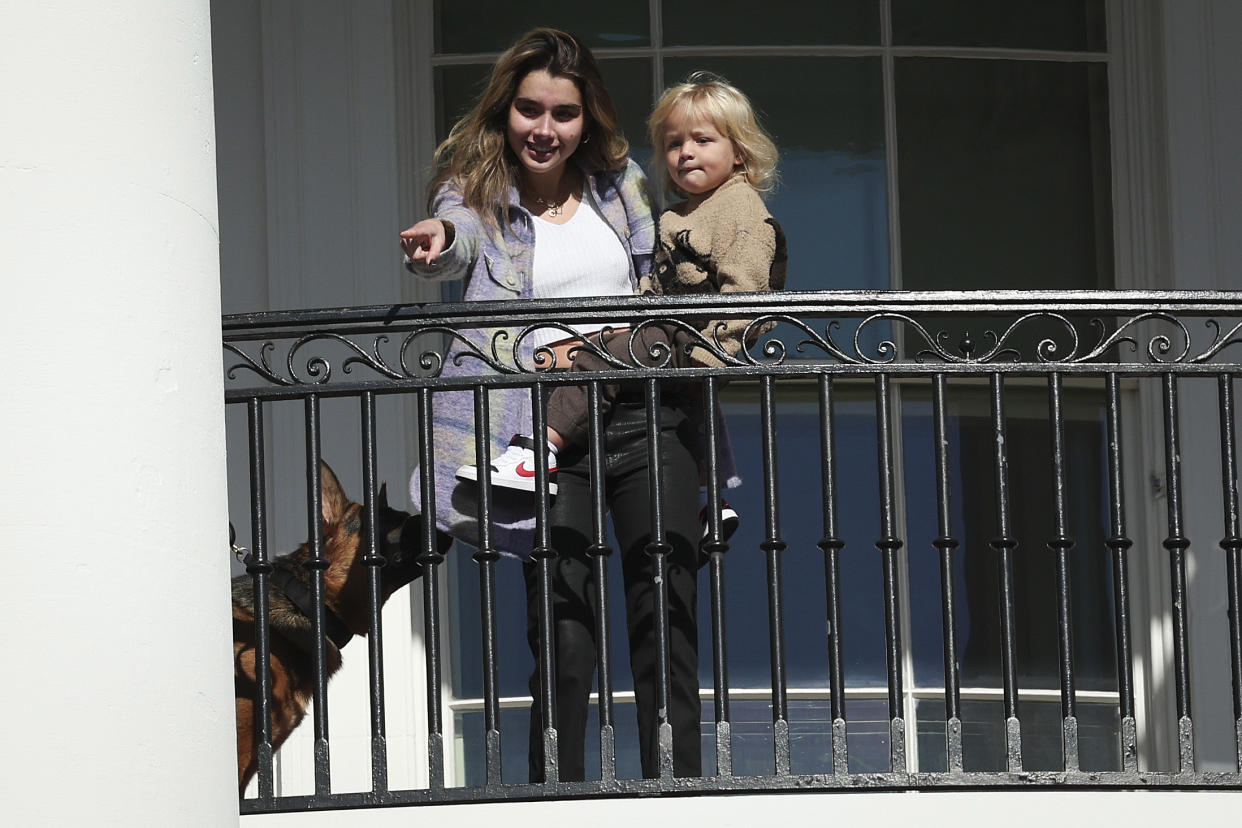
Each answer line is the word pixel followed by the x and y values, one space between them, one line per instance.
pixel 536 197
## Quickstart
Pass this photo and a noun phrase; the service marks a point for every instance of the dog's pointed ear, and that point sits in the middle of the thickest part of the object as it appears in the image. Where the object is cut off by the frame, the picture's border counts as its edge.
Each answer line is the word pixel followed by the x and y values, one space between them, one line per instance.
pixel 383 496
pixel 334 500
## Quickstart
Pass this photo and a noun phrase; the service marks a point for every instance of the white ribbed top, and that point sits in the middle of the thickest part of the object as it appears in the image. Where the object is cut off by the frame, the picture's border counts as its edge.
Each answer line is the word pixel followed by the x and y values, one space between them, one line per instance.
pixel 582 257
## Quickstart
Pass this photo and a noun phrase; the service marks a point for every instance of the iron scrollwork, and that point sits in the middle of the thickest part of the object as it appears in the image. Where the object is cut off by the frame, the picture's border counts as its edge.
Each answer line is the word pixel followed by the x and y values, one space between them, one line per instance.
pixel 1047 337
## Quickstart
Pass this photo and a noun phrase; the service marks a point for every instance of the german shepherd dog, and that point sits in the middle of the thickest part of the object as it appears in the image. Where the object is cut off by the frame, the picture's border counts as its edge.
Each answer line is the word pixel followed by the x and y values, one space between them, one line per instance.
pixel 346 607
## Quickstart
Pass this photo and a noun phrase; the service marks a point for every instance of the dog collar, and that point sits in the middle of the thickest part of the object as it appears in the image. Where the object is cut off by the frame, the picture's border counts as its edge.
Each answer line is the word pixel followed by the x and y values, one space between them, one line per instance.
pixel 298 594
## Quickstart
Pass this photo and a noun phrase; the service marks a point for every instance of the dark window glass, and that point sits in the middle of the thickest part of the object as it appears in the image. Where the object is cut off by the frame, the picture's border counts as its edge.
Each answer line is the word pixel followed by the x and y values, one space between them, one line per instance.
pixel 739 22
pixel 1004 175
pixel 983 736
pixel 810 737
pixel 471 26
pixel 1067 25
pixel 457 89
pixel 515 739
pixel 629 85
pixel 800 497
pixel 1032 522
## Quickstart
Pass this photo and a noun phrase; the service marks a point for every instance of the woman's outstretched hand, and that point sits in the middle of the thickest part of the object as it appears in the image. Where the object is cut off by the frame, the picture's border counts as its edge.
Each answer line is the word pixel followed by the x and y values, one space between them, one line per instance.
pixel 425 241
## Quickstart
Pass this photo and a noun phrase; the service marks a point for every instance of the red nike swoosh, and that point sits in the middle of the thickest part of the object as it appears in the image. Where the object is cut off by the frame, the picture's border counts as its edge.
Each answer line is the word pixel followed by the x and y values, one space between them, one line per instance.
pixel 522 471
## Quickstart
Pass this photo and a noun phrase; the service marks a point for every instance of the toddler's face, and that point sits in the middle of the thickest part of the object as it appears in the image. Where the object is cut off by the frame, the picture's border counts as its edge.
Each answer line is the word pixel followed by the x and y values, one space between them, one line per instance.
pixel 699 157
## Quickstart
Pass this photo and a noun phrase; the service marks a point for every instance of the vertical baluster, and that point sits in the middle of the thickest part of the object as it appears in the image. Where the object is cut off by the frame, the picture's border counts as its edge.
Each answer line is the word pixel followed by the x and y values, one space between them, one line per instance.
pixel 543 554
pixel 832 544
pixel 774 546
pixel 316 564
pixel 889 544
pixel 1119 544
pixel 260 569
pixel 1232 544
pixel 715 548
pixel 1177 544
pixel 600 551
pixel 1061 544
pixel 373 560
pixel 1004 544
pixel 430 558
pixel 486 556
pixel 658 549
pixel 945 544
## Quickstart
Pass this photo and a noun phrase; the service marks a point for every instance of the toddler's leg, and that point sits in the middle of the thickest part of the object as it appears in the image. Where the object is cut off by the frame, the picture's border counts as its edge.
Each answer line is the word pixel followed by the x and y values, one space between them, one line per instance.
pixel 568 404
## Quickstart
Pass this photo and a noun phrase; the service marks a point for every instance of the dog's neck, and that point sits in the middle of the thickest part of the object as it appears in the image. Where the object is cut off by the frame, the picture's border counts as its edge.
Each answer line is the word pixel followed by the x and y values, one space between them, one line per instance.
pixel 300 596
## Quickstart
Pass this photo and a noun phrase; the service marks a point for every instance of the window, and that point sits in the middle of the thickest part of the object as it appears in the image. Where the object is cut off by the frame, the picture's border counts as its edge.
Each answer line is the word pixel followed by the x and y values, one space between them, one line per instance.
pixel 925 144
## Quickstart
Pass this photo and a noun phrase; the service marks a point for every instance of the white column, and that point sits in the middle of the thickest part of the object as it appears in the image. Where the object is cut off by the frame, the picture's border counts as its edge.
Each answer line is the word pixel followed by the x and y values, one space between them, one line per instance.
pixel 113 526
pixel 1203 82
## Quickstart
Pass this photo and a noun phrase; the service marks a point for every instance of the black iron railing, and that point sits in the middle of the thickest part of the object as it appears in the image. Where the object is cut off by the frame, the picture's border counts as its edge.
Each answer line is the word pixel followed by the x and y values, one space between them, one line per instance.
pixel 1128 353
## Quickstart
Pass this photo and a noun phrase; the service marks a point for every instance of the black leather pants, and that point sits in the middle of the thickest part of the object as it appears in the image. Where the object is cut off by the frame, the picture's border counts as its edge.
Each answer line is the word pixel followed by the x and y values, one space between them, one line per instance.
pixel 627 491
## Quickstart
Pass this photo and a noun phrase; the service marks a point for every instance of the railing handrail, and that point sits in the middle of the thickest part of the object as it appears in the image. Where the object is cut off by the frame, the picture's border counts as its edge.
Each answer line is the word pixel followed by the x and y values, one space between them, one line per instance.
pixel 839 332
pixel 850 302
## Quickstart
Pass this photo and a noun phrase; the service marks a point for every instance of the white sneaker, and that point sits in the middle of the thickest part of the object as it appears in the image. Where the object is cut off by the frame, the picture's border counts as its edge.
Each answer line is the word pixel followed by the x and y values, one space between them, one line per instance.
pixel 515 469
pixel 729 521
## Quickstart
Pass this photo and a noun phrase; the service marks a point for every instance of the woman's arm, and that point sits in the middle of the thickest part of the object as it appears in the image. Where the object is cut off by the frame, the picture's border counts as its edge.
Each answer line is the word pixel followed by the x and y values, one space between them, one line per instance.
pixel 443 247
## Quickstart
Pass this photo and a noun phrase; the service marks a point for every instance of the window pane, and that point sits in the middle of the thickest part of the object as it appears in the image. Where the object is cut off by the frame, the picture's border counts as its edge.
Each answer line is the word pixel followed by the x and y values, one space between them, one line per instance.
pixel 488 26
pixel 736 23
pixel 515 739
pixel 513 660
pixel 457 89
pixel 829 126
pixel 1004 175
pixel 868 736
pixel 629 84
pixel 810 737
pixel 1032 523
pixel 1070 25
pixel 801 512
pixel 983 736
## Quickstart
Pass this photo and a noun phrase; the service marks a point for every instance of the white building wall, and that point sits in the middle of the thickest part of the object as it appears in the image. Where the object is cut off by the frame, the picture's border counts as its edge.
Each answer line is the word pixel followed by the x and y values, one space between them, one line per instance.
pixel 1203 112
pixel 960 809
pixel 116 676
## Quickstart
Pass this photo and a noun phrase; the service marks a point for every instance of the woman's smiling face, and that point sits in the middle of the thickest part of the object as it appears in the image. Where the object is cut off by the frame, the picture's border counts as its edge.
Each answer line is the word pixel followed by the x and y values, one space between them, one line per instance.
pixel 546 120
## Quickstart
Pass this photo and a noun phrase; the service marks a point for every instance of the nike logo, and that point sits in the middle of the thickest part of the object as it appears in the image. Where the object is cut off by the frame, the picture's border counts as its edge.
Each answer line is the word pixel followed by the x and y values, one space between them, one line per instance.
pixel 522 471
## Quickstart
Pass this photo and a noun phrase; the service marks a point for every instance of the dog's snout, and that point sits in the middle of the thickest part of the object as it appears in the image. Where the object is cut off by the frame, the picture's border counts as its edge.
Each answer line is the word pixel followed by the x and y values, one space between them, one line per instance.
pixel 410 542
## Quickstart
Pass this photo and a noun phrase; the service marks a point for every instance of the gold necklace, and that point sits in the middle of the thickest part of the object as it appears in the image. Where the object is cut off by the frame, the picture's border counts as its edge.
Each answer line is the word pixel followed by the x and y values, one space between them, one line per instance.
pixel 553 207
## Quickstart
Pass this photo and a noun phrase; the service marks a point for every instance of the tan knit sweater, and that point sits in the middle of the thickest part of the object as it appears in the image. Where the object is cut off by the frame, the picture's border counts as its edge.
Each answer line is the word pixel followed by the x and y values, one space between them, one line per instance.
pixel 728 244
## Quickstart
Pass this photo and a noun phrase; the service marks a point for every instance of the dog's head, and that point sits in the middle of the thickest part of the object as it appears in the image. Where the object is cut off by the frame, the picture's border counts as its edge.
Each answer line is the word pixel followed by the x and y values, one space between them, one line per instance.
pixel 399 537
pixel 400 544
